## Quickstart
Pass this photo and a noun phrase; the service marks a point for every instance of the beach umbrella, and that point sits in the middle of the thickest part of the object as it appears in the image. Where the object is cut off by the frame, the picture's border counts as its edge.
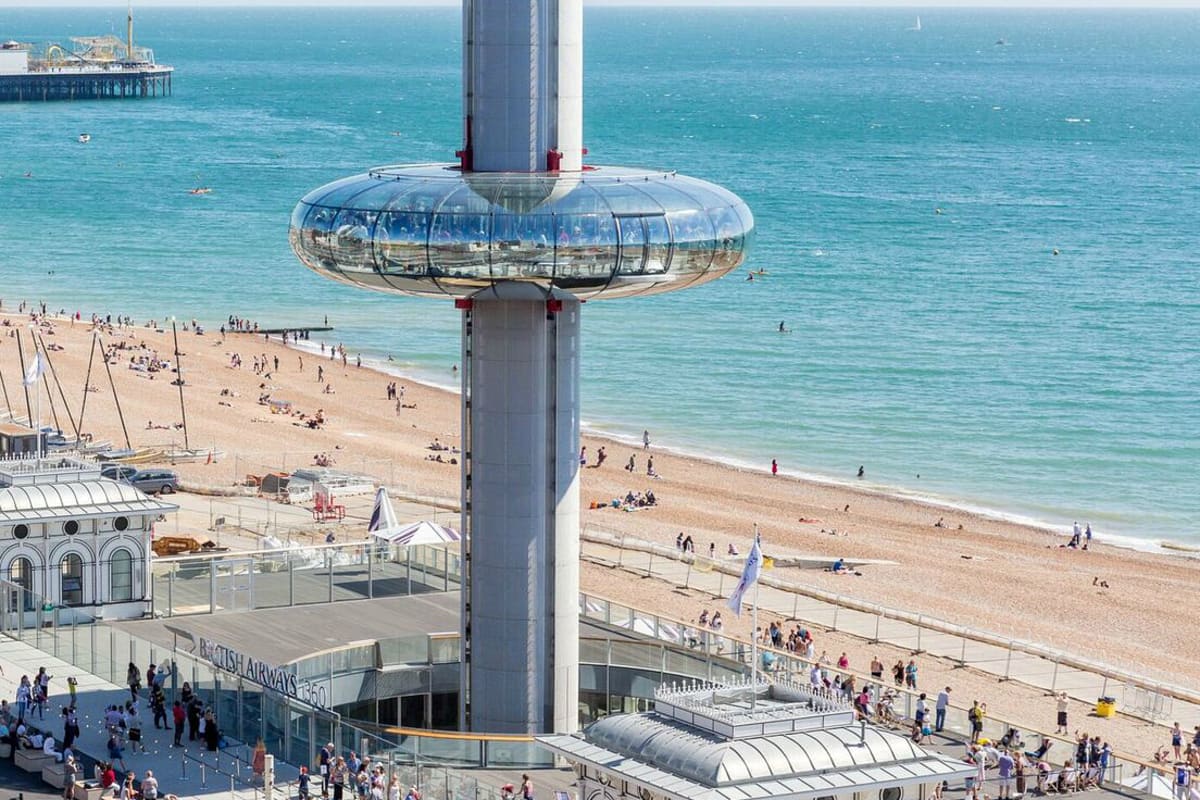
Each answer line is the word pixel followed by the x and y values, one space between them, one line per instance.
pixel 423 532
pixel 384 526
pixel 383 516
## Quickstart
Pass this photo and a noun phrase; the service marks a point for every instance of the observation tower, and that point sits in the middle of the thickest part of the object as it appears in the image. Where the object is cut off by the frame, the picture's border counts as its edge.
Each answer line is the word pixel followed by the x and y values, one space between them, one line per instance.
pixel 519 232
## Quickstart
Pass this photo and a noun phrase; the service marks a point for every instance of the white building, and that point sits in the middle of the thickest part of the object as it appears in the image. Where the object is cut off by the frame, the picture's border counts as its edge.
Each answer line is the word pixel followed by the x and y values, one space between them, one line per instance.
pixel 749 742
pixel 73 539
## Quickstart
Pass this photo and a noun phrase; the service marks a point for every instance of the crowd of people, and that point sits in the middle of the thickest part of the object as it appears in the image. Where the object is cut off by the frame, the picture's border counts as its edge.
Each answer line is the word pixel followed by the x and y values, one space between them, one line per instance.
pixel 344 777
pixel 23 725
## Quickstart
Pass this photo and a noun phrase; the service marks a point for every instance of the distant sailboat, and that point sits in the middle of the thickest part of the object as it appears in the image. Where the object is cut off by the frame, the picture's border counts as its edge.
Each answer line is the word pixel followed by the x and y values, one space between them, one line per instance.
pixel 917 26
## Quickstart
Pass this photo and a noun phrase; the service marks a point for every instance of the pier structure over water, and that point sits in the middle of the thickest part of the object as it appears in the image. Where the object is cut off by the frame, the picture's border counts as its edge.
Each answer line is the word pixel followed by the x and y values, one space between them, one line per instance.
pixel 83 83
pixel 96 67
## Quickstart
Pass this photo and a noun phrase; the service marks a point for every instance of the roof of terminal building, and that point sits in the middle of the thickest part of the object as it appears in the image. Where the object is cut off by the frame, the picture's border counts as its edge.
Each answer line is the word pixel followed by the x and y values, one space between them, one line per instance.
pixel 749 741
pixel 83 498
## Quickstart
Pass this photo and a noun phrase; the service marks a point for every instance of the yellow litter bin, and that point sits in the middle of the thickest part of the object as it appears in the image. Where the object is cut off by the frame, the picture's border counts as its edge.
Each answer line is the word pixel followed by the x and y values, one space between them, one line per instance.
pixel 1106 707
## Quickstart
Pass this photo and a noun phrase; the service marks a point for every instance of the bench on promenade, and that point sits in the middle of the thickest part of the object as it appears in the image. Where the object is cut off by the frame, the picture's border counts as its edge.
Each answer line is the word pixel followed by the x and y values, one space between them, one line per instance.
pixel 88 790
pixel 32 760
pixel 54 773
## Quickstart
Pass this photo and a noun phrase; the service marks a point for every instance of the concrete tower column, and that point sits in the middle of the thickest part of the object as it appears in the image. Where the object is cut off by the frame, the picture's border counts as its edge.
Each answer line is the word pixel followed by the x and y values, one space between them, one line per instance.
pixel 521 509
pixel 523 85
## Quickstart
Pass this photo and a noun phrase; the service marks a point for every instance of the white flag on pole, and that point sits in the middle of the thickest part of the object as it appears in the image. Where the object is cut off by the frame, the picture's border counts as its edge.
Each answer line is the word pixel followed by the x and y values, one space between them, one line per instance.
pixel 34 370
pixel 749 578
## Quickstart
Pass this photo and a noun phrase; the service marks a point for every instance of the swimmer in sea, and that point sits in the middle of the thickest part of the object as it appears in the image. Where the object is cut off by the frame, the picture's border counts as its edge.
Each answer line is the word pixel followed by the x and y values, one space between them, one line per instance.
pixel 783 328
pixel 749 276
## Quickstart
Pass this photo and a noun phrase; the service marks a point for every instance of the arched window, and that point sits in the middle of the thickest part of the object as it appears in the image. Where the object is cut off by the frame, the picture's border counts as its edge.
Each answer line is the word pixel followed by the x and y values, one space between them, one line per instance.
pixel 20 573
pixel 120 576
pixel 72 580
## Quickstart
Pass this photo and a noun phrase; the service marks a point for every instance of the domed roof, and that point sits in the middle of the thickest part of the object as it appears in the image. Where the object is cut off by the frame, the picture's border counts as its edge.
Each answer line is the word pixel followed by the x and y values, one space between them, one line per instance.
pixel 712 760
pixel 74 498
pixel 604 232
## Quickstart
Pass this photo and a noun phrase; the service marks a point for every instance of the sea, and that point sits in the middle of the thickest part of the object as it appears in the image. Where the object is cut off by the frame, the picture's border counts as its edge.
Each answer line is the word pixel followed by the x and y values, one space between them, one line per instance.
pixel 983 235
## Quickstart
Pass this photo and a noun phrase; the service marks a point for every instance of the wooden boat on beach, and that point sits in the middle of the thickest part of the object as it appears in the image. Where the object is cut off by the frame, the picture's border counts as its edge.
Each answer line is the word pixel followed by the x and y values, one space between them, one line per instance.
pixel 193 455
pixel 131 456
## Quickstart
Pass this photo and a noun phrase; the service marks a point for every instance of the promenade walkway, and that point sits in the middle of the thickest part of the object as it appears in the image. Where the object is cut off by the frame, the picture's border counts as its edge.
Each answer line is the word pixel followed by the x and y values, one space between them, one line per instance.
pixel 188 771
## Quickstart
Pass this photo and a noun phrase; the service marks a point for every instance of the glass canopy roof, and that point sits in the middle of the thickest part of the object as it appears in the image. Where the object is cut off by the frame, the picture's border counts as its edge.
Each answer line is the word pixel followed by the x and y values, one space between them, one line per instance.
pixel 605 232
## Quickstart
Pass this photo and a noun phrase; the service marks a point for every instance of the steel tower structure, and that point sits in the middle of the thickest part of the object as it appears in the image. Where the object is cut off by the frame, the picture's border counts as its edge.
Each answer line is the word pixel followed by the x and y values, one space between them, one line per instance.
pixel 519 232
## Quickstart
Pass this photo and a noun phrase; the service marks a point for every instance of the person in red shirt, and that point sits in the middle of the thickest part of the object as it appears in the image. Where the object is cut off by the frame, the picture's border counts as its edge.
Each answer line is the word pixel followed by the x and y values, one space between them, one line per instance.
pixel 180 716
pixel 108 776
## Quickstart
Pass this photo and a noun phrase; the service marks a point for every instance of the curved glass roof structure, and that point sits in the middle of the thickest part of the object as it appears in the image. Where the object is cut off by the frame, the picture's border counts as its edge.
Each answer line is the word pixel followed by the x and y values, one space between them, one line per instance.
pixel 715 761
pixel 73 499
pixel 434 230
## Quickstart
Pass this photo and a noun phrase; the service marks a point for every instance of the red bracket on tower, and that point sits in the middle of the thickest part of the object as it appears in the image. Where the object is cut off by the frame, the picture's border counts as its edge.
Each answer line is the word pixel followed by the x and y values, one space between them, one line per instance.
pixel 464 156
pixel 554 306
pixel 464 303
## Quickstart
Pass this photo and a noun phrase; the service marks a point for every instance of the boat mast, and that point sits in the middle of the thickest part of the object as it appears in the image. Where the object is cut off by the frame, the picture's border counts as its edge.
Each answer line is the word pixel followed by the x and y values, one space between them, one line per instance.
pixel 40 348
pixel 179 382
pixel 4 385
pixel 28 405
pixel 87 380
pixel 61 393
pixel 113 386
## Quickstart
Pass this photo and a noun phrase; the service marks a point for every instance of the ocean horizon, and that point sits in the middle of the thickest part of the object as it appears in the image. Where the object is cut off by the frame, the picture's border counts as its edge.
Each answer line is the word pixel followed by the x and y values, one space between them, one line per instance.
pixel 982 235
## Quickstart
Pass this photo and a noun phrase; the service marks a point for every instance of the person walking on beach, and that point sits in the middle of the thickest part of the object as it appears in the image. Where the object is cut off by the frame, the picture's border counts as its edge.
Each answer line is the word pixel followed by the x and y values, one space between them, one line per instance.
pixel 774 467
pixel 645 440
pixel 1062 705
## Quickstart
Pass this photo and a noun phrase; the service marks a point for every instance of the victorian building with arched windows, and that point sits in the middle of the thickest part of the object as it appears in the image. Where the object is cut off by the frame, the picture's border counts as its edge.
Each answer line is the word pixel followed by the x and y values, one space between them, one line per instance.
pixel 70 538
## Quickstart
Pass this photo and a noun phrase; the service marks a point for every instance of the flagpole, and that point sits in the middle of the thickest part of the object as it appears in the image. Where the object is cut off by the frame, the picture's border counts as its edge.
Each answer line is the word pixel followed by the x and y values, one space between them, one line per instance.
pixel 754 639
pixel 37 393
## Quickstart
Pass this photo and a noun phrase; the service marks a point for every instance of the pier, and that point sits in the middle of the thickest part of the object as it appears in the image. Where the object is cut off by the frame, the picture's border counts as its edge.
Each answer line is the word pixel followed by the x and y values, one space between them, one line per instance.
pixel 85 83
pixel 95 68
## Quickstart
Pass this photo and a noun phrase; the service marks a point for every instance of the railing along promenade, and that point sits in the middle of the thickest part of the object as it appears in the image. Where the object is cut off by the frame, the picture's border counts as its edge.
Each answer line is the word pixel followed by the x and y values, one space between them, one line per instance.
pixel 916 632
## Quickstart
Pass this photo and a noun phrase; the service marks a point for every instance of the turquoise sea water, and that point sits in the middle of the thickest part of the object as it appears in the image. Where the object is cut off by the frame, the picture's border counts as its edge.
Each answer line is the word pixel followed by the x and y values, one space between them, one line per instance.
pixel 952 345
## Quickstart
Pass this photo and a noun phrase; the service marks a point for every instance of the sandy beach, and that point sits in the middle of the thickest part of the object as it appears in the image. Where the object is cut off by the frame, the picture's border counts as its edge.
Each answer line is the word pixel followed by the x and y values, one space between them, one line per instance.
pixel 990 574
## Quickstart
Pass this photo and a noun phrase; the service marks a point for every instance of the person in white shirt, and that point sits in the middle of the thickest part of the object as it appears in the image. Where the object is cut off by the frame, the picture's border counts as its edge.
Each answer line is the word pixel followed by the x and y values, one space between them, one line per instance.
pixel 49 749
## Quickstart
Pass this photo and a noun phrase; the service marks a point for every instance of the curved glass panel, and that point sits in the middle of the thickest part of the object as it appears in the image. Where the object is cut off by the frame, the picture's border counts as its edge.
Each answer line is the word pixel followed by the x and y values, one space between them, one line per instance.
pixel 606 232
pixel 402 239
pixel 633 244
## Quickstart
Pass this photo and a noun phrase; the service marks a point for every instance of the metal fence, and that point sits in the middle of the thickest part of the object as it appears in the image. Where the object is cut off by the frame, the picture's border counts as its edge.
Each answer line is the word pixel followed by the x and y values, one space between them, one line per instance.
pixel 205 583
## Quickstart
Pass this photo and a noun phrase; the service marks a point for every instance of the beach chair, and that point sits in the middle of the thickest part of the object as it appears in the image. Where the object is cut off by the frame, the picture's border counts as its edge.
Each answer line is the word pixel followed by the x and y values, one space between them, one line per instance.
pixel 319 508
pixel 1048 784
pixel 334 510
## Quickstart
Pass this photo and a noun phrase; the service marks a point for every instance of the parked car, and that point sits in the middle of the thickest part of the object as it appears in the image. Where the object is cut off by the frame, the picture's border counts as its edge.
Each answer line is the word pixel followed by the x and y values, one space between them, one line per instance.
pixel 155 481
pixel 117 472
